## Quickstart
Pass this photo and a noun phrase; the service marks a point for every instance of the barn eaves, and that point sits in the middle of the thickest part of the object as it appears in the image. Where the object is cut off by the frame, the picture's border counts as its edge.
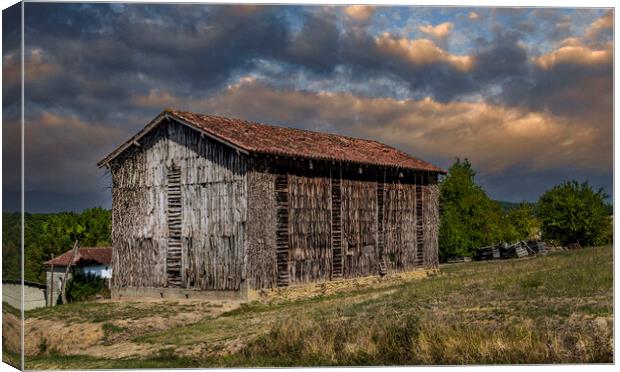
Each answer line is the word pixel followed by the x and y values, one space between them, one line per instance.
pixel 254 138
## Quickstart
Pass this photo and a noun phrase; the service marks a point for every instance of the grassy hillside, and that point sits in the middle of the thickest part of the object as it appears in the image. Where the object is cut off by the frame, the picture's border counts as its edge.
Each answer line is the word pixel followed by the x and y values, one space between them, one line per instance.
pixel 553 309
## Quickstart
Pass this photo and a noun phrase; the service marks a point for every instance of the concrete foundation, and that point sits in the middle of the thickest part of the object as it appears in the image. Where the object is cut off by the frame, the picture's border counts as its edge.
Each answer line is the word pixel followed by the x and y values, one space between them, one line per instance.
pixel 179 293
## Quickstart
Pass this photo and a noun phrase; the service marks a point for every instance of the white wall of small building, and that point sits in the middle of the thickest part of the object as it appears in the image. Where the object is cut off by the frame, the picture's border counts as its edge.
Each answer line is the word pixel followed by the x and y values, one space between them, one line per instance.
pixel 102 271
pixel 53 293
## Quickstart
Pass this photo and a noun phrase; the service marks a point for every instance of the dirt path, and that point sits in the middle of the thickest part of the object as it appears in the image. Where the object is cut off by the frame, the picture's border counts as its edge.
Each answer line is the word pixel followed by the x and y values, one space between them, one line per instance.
pixel 111 338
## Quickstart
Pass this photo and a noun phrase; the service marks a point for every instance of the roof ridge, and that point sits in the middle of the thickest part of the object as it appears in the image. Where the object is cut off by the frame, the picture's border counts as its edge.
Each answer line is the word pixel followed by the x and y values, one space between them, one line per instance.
pixel 277 126
pixel 254 137
pixel 65 257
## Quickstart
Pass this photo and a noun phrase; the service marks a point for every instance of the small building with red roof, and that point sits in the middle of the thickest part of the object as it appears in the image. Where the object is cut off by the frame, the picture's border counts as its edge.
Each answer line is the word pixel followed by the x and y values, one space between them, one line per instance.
pixel 95 261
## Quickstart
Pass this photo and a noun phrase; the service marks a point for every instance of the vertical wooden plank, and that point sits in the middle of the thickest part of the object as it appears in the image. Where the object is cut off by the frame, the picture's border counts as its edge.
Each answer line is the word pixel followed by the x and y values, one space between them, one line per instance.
pixel 282 229
pixel 380 223
pixel 336 222
pixel 310 253
pixel 431 224
pixel 419 213
pixel 359 225
pixel 175 218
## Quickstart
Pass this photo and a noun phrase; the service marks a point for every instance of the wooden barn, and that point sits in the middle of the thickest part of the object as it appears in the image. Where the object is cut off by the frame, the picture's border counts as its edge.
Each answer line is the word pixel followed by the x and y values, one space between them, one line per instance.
pixel 204 205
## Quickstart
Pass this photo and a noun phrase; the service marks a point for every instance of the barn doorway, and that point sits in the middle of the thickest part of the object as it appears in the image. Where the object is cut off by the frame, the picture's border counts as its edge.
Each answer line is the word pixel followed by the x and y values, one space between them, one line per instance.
pixel 174 252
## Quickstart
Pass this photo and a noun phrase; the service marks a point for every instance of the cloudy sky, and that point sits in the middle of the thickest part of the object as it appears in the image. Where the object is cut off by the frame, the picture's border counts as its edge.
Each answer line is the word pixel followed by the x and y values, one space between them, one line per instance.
pixel 525 94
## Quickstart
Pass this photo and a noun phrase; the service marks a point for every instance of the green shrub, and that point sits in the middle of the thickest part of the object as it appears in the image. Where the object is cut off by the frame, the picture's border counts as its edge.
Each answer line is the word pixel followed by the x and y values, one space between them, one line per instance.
pixel 82 287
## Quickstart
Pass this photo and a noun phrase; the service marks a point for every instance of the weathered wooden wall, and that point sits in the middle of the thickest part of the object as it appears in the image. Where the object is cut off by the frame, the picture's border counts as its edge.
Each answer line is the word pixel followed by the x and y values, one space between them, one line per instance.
pixel 431 224
pixel 359 227
pixel 260 239
pixel 139 237
pixel 383 215
pixel 399 225
pixel 214 208
pixel 310 257
pixel 213 211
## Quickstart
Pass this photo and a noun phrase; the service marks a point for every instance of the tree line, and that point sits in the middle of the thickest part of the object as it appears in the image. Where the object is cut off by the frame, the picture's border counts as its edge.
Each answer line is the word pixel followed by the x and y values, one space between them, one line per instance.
pixel 571 212
pixel 47 235
pixel 567 213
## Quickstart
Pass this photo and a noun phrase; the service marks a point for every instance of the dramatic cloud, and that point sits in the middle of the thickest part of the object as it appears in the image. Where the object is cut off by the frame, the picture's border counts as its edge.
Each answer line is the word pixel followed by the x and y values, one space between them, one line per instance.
pixel 35 67
pixel 571 52
pixel 11 108
pixel 606 22
pixel 156 98
pixel 359 12
pixel 440 31
pixel 66 145
pixel 60 156
pixel 524 92
pixel 482 132
pixel 421 52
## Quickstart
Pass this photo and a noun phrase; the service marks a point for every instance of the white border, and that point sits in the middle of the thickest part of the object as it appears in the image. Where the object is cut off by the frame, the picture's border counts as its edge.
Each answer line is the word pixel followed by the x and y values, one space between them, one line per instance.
pixel 478 3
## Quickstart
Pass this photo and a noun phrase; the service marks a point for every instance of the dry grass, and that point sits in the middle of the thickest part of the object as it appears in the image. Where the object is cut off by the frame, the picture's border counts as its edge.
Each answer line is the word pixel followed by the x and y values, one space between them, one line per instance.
pixel 553 309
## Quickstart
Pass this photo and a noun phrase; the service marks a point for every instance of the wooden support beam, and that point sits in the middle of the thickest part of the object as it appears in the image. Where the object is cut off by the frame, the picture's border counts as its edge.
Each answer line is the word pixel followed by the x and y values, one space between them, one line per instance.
pixel 63 289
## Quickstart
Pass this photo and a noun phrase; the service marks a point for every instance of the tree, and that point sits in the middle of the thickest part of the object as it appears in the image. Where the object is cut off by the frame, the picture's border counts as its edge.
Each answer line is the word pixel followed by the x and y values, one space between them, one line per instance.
pixel 11 246
pixel 573 212
pixel 50 234
pixel 469 219
pixel 521 223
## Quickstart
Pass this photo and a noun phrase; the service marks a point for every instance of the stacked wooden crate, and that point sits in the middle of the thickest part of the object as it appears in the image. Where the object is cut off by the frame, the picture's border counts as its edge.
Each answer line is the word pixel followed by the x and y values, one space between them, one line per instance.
pixel 505 251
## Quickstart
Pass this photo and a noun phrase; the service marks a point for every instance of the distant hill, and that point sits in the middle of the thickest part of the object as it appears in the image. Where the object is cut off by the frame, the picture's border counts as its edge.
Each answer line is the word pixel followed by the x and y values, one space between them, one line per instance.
pixel 506 206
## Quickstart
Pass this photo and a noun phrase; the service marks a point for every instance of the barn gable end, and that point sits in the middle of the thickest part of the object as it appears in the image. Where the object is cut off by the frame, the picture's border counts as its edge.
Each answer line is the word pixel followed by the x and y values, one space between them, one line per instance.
pixel 212 206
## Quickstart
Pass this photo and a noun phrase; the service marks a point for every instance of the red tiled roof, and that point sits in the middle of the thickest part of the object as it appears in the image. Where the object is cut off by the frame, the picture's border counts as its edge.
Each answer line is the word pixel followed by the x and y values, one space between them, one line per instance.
pixel 274 140
pixel 98 255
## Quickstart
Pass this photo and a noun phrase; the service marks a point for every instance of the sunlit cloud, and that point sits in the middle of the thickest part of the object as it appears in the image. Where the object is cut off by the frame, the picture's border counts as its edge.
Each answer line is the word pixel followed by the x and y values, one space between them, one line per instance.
pixel 65 148
pixel 156 98
pixel 495 137
pixel 440 31
pixel 473 16
pixel 71 124
pixel 422 52
pixel 36 67
pixel 606 22
pixel 359 12
pixel 573 52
